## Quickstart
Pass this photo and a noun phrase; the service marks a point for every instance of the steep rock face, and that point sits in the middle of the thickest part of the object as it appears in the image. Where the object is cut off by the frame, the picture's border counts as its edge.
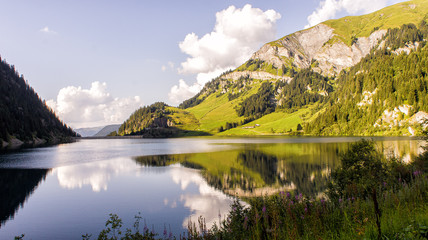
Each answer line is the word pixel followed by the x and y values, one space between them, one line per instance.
pixel 301 49
pixel 162 122
pixel 255 75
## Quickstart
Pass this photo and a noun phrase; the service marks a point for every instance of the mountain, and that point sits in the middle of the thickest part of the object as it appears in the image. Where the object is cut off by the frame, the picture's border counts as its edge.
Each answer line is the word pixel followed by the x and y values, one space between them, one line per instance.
pixel 24 117
pixel 358 75
pixel 88 132
pixel 161 120
pixel 107 130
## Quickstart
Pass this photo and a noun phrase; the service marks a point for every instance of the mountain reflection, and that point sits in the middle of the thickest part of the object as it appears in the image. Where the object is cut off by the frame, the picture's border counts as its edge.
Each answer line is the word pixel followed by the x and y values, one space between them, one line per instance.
pixel 259 169
pixel 16 186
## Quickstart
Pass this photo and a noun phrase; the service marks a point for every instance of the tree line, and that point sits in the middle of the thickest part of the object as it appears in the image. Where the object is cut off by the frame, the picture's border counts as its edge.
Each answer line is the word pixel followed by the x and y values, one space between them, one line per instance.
pixel 23 114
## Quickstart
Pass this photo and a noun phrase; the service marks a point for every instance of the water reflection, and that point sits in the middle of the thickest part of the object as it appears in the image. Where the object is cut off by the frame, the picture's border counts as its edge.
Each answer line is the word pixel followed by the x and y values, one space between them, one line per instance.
pixel 258 169
pixel 167 189
pixel 405 150
pixel 16 185
pixel 207 202
pixel 95 174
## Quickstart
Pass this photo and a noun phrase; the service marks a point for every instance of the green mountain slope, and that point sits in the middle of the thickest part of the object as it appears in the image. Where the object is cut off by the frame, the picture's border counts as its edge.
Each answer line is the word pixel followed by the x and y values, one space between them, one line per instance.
pixel 348 28
pixel 24 117
pixel 360 75
pixel 161 120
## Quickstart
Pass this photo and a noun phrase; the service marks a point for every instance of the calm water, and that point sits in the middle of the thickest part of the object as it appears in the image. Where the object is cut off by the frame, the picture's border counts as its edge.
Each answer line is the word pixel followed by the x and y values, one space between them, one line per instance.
pixel 65 191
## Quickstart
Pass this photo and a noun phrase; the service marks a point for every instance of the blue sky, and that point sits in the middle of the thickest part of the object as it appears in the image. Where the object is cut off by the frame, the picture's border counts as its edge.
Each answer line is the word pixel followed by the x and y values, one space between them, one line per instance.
pixel 95 62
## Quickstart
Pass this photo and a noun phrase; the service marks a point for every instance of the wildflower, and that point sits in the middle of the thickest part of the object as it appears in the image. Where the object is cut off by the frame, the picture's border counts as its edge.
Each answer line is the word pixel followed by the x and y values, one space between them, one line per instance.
pixel 384 184
pixel 165 232
pixel 170 233
pixel 299 197
pixel 288 194
pixel 146 229
pixel 322 200
pixel 416 173
pixel 245 222
pixel 264 209
pixel 340 200
pixel 306 209
pixel 281 193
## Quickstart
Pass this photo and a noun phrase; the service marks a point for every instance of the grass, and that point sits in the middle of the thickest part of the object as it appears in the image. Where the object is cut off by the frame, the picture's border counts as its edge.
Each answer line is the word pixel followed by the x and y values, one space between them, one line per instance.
pixel 270 124
pixel 363 26
pixel 183 119
pixel 216 109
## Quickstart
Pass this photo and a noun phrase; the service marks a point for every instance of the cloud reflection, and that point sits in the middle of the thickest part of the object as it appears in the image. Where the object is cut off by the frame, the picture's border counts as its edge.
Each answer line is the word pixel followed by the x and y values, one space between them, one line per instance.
pixel 95 174
pixel 208 202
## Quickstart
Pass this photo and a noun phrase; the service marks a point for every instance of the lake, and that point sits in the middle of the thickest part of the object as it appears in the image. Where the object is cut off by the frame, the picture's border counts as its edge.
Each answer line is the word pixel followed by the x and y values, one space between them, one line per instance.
pixel 64 191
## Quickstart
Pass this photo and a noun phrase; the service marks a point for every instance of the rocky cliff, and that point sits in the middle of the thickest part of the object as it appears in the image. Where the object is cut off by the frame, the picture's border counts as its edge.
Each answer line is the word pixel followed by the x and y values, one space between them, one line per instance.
pixel 318 46
pixel 332 46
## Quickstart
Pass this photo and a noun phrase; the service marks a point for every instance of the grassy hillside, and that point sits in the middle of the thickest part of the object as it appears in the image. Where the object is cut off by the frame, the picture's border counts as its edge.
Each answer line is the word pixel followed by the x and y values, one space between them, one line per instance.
pixel 161 120
pixel 216 110
pixel 390 17
pixel 356 101
pixel 273 123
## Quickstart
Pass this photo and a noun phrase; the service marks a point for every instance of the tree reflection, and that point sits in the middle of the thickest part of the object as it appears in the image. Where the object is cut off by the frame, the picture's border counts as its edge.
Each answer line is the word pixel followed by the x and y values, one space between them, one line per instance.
pixel 257 170
pixel 260 169
pixel 16 185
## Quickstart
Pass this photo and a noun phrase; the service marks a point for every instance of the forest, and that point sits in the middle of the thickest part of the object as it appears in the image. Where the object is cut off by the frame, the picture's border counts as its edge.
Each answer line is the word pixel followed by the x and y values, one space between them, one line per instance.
pixel 143 118
pixel 390 78
pixel 23 114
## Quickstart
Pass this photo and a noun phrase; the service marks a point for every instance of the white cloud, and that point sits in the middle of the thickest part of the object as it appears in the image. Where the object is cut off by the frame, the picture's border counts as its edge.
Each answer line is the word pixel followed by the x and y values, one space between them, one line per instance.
pixel 170 65
pixel 237 33
pixel 92 107
pixel 329 8
pixel 47 30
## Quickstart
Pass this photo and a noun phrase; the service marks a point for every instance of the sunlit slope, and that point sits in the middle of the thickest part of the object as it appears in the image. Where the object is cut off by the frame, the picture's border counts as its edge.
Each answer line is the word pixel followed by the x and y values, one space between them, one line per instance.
pixel 216 110
pixel 273 123
pixel 390 17
pixel 183 119
pixel 318 81
pixel 160 120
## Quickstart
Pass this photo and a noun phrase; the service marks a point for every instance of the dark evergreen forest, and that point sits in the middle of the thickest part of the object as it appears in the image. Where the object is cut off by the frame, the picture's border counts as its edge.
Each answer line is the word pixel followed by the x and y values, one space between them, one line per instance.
pixel 23 115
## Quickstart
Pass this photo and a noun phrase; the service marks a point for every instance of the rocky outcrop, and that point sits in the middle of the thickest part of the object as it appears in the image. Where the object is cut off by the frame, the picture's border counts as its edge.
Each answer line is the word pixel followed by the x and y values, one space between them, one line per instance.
pixel 407 49
pixel 254 75
pixel 420 118
pixel 162 122
pixel 319 44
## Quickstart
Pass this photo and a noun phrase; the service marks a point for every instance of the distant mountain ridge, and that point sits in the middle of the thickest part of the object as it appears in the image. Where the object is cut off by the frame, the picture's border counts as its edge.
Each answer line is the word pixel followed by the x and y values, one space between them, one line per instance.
pixel 105 131
pixel 88 132
pixel 24 117
pixel 358 75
